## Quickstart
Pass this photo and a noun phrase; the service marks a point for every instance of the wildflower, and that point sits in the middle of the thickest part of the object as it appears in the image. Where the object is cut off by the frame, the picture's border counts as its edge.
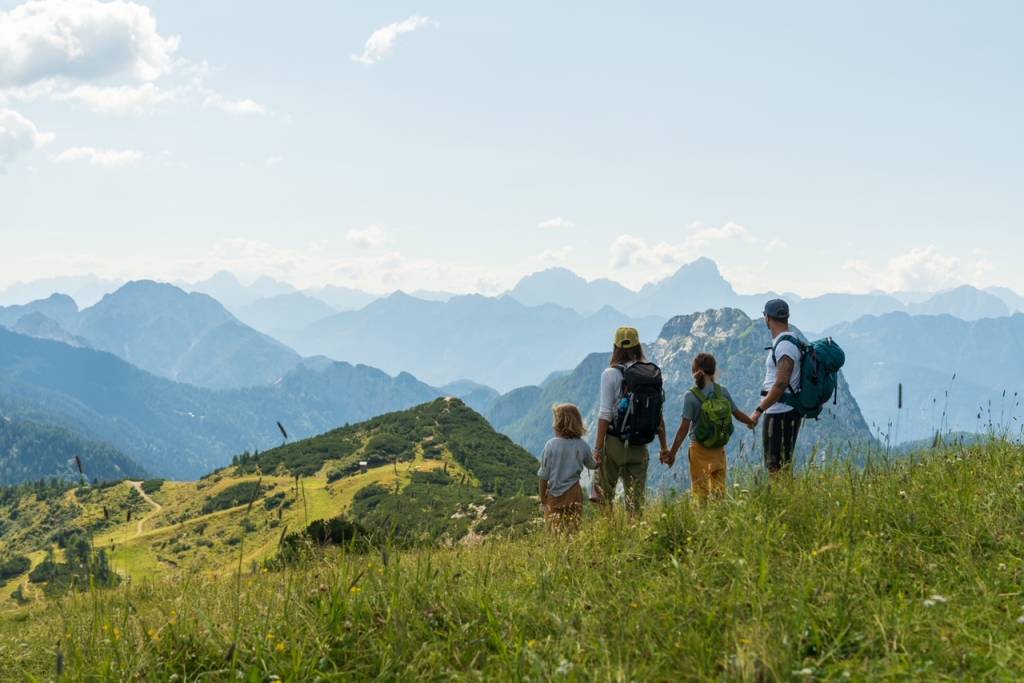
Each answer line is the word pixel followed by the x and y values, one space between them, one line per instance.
pixel 531 644
pixel 564 667
pixel 903 495
pixel 354 590
pixel 280 647
pixel 804 672
pixel 117 633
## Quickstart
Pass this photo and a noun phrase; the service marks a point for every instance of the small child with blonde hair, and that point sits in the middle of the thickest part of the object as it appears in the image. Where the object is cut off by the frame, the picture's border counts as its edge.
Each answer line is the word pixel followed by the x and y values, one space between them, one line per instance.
pixel 563 460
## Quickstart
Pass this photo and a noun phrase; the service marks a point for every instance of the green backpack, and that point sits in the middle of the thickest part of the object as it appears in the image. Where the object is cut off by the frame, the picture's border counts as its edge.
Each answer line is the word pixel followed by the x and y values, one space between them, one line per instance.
pixel 715 427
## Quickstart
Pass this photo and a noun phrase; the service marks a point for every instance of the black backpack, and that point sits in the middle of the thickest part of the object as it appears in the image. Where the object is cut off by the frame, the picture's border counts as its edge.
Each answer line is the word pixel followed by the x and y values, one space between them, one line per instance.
pixel 638 417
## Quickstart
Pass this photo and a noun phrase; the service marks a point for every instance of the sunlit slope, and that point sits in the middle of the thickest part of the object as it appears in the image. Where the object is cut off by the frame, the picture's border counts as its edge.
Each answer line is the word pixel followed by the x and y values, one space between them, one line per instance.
pixel 429 474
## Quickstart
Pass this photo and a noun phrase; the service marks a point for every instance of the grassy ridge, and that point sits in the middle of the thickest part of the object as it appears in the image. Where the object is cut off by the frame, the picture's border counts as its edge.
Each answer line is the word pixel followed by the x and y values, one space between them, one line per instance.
pixel 905 570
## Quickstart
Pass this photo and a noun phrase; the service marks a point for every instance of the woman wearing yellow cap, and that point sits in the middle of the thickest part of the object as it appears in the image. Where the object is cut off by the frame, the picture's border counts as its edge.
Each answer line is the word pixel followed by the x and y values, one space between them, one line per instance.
pixel 629 418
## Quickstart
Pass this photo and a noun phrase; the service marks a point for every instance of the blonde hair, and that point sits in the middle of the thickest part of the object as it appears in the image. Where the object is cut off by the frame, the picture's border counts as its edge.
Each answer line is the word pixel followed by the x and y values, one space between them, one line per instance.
pixel 568 422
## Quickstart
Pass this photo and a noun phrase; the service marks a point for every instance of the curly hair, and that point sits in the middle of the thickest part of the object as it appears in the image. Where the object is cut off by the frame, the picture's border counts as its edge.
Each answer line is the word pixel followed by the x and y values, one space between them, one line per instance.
pixel 568 421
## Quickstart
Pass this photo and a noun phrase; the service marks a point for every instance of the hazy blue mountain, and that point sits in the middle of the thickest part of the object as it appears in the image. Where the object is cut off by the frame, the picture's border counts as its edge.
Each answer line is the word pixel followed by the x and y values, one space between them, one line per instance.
pixel 564 287
pixel 1013 300
pixel 737 341
pixel 178 430
pixel 342 298
pixel 432 295
pixel 924 353
pixel 228 290
pixel 84 289
pixel 39 326
pixel 60 308
pixel 278 314
pixel 186 337
pixel 699 285
pixel 476 396
pixel 966 303
pixel 30 451
pixel 495 341
pixel 818 313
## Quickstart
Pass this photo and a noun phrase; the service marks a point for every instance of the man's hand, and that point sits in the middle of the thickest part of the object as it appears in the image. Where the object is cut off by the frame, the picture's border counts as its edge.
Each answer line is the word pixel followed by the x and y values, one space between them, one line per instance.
pixel 598 455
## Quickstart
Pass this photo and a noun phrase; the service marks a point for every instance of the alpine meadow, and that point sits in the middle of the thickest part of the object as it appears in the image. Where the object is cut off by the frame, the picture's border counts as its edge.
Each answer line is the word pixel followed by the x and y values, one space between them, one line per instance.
pixel 554 342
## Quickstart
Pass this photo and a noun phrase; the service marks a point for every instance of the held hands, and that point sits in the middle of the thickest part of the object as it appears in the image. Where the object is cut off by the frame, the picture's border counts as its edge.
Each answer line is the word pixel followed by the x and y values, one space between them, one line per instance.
pixel 668 457
pixel 598 455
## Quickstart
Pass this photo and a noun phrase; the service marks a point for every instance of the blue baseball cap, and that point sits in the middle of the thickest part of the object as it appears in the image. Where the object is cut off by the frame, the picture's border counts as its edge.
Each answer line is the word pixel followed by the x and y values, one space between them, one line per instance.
pixel 777 308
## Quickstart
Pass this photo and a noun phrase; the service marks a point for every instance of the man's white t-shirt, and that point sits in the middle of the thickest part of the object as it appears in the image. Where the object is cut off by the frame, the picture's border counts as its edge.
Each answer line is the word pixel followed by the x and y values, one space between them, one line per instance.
pixel 782 350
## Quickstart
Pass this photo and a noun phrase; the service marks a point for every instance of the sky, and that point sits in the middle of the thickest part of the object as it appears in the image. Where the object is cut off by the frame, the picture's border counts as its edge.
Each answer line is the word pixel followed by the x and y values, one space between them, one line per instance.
pixel 805 146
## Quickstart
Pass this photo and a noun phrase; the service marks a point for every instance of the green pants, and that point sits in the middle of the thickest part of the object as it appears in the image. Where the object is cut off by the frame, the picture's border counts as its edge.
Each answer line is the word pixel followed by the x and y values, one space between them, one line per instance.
pixel 628 463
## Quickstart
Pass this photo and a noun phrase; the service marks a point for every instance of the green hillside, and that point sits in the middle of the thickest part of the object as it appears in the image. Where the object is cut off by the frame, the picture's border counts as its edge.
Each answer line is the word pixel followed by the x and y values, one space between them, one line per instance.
pixel 30 451
pixel 435 474
pixel 907 570
pixel 181 431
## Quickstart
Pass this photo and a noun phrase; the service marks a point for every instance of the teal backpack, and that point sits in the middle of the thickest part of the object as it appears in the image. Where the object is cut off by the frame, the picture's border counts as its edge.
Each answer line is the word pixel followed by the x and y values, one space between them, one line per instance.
pixel 820 363
pixel 715 427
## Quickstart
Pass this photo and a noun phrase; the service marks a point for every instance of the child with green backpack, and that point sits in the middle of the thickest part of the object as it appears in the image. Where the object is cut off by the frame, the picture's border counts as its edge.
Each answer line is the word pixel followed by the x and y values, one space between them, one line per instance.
pixel 708 411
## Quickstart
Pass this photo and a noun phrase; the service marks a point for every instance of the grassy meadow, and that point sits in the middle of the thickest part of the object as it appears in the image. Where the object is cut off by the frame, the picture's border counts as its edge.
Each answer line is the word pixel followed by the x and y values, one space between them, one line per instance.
pixel 905 570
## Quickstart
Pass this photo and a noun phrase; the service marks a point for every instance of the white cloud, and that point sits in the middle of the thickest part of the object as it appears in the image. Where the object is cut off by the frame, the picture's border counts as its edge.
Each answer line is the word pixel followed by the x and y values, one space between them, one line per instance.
pixel 920 269
pixel 76 51
pixel 558 255
pixel 121 100
pixel 81 40
pixel 244 106
pixel 556 224
pixel 381 42
pixel 629 250
pixel 104 158
pixel 272 161
pixel 18 135
pixel 370 237
pixel 702 235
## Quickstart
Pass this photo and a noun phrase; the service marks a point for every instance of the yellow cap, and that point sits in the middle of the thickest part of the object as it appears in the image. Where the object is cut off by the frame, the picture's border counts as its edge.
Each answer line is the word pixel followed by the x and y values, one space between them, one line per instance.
pixel 627 338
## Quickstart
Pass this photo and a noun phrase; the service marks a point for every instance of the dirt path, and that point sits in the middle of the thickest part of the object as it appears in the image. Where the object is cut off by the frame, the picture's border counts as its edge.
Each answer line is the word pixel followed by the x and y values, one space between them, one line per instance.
pixel 157 507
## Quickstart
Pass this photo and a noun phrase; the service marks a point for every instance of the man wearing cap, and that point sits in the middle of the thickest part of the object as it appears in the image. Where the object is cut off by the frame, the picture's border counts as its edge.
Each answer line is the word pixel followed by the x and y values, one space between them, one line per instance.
pixel 782 374
pixel 616 458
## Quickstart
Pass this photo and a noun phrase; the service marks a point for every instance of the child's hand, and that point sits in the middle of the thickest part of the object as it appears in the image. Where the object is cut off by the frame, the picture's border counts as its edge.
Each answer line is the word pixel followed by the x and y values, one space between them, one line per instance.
pixel 597 456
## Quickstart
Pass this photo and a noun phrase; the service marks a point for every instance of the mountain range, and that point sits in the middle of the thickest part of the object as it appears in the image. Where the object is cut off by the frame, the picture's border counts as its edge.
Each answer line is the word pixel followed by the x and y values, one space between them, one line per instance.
pixel 179 430
pixel 693 287
pixel 189 338
pixel 957 375
pixel 498 342
pixel 700 285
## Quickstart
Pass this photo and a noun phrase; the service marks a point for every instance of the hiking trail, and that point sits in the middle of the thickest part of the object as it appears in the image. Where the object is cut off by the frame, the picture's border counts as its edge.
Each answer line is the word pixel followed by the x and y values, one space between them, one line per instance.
pixel 157 507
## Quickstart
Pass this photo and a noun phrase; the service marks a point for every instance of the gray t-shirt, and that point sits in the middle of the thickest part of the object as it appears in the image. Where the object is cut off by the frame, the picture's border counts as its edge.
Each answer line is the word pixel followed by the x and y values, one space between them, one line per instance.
pixel 691 405
pixel 562 462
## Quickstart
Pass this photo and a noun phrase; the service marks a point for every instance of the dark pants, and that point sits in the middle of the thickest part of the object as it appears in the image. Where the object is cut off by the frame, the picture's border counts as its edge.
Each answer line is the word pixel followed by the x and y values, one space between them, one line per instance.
pixel 780 432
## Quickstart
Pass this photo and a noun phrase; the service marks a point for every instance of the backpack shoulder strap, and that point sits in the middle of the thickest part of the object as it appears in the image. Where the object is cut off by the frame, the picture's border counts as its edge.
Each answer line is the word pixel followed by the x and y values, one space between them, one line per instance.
pixel 699 395
pixel 786 337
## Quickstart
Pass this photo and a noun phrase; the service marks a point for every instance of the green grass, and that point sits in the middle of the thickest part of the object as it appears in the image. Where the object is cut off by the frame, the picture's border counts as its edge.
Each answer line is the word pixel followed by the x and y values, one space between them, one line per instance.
pixel 909 570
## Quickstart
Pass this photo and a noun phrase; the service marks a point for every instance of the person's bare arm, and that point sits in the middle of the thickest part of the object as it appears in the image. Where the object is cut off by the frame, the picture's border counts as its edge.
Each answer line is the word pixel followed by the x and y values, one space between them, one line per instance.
pixel 543 490
pixel 602 434
pixel 684 430
pixel 662 435
pixel 744 418
pixel 784 375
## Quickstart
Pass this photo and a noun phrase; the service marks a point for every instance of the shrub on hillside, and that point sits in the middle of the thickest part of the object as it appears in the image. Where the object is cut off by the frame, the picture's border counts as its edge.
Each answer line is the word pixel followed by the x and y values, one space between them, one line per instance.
pixel 233 496
pixel 151 486
pixel 11 567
